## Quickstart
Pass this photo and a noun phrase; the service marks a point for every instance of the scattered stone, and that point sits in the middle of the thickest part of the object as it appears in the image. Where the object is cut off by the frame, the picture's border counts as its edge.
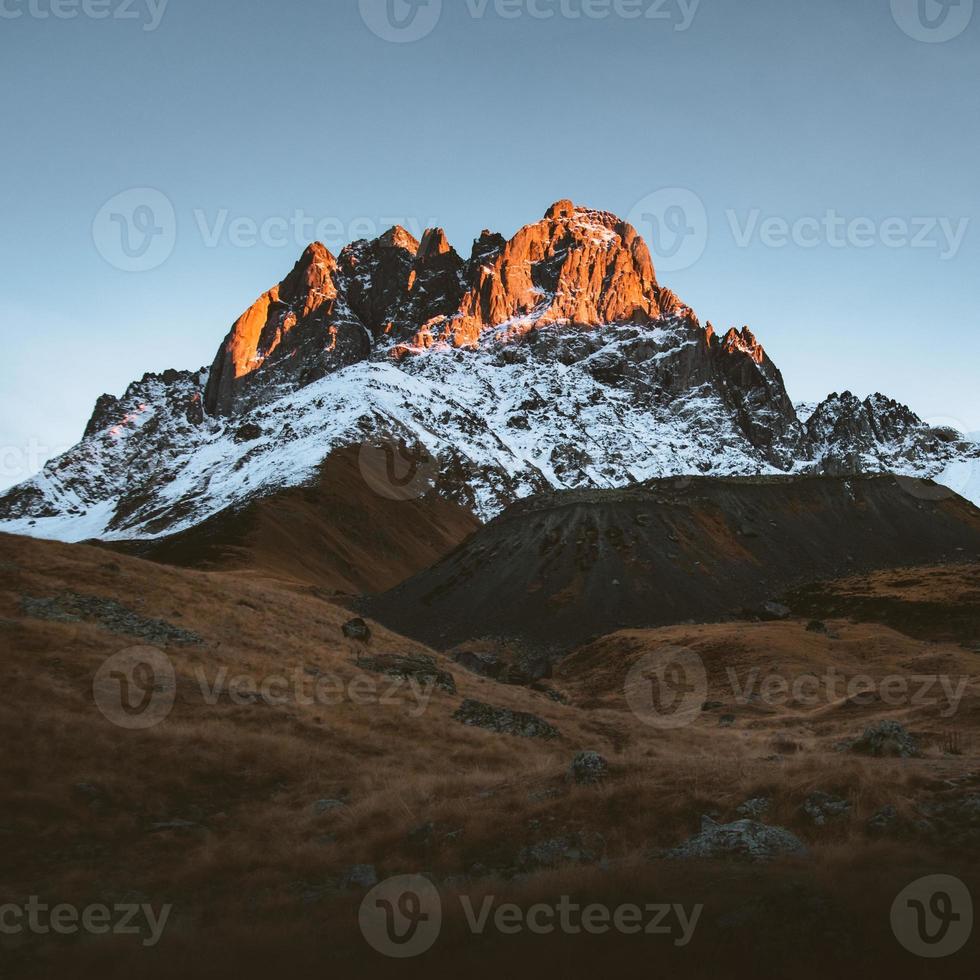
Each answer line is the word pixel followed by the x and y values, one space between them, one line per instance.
pixel 712 705
pixel 577 848
pixel 744 840
pixel 418 667
pixel 884 822
pixel 504 721
pixel 71 607
pixel 754 809
pixel 589 768
pixel 776 611
pixel 727 721
pixel 887 738
pixel 357 629
pixel 817 626
pixel 822 808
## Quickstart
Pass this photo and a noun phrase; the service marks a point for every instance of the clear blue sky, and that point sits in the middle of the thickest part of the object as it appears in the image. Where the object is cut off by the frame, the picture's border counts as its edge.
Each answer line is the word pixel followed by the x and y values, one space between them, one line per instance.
pixel 788 109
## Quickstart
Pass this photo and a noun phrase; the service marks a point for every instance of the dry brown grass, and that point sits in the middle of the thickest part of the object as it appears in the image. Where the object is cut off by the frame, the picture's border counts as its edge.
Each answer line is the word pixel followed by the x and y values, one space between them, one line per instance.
pixel 248 777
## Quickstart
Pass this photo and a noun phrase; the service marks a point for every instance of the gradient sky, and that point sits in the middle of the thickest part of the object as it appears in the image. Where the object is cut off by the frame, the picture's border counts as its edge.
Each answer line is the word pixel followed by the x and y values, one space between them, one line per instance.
pixel 790 109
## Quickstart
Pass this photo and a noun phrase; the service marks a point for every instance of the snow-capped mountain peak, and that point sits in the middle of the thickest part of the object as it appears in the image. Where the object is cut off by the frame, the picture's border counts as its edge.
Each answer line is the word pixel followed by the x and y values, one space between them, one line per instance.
pixel 554 359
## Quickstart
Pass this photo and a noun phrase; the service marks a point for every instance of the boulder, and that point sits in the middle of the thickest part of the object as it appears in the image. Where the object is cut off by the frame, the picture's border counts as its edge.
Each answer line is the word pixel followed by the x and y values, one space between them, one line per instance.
pixel 418 667
pixel 887 738
pixel 357 629
pixel 504 721
pixel 744 840
pixel 822 808
pixel 588 768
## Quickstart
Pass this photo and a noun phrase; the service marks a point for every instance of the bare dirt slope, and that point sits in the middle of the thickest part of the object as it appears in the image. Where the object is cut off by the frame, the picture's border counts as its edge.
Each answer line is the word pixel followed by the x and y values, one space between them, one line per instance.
pixel 263 818
pixel 337 534
pixel 561 568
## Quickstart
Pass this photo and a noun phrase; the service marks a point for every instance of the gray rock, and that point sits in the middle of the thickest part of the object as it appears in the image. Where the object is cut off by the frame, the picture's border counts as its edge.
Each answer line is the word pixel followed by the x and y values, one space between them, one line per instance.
pixel 588 768
pixel 754 809
pixel 504 721
pixel 884 822
pixel 775 611
pixel 418 667
pixel 357 629
pixel 887 738
pixel 727 721
pixel 822 808
pixel 744 840
pixel 71 607
pixel 578 848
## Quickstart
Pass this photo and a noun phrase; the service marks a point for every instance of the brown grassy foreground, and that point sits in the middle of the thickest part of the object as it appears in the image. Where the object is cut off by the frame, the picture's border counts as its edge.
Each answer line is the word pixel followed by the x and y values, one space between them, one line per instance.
pixel 214 810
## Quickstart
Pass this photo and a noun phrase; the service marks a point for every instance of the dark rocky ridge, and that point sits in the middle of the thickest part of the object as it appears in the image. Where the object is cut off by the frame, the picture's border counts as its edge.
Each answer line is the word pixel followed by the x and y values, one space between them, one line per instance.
pixel 556 569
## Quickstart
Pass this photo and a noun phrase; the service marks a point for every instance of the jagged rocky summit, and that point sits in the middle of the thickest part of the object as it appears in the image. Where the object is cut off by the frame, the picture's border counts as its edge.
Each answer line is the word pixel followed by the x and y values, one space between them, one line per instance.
pixel 553 360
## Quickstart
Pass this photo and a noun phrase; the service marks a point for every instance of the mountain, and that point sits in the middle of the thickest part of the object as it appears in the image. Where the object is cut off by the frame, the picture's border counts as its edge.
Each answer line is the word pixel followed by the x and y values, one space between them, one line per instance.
pixel 554 570
pixel 553 360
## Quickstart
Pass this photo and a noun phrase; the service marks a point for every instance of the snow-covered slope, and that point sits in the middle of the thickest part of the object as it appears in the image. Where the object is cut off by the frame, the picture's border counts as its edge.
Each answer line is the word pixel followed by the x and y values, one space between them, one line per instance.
pixel 963 475
pixel 554 360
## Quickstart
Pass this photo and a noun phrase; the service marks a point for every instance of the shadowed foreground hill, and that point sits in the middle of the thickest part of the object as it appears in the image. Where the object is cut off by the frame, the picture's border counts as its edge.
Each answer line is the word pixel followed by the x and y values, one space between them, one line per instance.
pixel 263 817
pixel 337 534
pixel 555 570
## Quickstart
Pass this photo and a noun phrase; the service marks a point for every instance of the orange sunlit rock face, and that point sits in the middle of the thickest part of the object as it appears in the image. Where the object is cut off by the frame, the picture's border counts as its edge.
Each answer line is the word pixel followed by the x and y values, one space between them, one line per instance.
pixel 577 267
pixel 744 343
